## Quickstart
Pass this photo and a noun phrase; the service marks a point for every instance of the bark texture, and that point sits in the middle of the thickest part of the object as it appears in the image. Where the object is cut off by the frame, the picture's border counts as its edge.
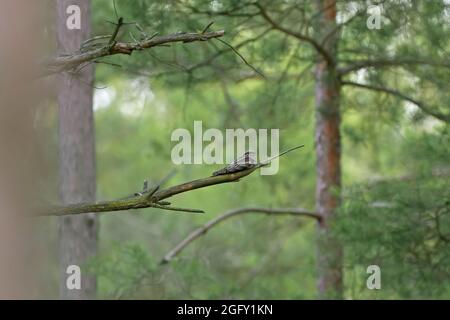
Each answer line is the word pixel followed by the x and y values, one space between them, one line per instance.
pixel 77 234
pixel 328 153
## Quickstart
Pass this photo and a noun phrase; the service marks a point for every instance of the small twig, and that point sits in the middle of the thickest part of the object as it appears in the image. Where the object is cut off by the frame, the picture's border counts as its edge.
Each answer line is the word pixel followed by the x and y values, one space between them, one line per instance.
pixel 281 154
pixel 152 191
pixel 112 40
pixel 207 27
pixel 152 36
pixel 242 57
pixel 141 30
pixel 165 207
pixel 86 42
pixel 66 62
pixel 133 37
pixel 161 183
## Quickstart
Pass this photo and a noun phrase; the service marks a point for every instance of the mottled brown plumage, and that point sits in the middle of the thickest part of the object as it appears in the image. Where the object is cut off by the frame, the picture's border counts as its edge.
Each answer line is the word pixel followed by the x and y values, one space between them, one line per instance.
pixel 247 161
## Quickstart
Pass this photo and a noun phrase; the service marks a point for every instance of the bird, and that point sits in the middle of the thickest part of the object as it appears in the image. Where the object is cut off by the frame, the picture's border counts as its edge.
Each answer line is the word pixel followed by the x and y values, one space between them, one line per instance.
pixel 246 161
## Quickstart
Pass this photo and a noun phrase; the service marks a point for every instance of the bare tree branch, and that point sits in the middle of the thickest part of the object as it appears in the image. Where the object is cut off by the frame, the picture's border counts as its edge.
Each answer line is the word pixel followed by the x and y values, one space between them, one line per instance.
pixel 63 63
pixel 155 196
pixel 197 233
pixel 147 199
pixel 419 104
pixel 389 62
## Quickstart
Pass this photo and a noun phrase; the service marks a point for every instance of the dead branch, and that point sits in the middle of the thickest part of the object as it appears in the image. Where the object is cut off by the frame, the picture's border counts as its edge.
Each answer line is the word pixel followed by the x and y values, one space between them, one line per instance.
pixel 197 233
pixel 155 196
pixel 67 62
pixel 152 198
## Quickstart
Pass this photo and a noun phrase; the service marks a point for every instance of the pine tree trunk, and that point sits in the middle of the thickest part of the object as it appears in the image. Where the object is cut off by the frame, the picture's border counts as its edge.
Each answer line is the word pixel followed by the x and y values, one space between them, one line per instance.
pixel 328 153
pixel 77 234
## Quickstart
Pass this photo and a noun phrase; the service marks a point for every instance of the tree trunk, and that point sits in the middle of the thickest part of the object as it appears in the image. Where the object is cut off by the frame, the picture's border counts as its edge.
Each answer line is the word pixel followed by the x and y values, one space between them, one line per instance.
pixel 77 234
pixel 328 153
pixel 21 161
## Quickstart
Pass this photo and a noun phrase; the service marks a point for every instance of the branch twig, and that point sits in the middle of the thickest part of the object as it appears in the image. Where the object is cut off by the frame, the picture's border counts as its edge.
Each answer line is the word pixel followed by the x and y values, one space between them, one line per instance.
pixel 242 58
pixel 116 32
pixel 197 233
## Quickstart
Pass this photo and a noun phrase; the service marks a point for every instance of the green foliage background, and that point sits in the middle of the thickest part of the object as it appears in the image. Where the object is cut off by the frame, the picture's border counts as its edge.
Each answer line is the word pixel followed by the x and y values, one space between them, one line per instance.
pixel 395 159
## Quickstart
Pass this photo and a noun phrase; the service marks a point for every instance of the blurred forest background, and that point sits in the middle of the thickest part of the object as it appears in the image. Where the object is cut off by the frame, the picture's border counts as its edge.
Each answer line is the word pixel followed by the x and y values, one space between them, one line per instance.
pixel 395 149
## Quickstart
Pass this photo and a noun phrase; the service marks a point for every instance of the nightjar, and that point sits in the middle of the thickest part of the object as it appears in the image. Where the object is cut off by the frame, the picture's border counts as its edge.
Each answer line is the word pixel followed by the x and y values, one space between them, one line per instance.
pixel 247 161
